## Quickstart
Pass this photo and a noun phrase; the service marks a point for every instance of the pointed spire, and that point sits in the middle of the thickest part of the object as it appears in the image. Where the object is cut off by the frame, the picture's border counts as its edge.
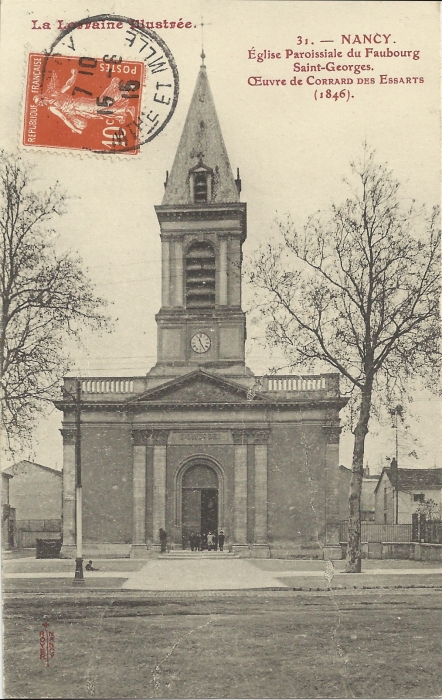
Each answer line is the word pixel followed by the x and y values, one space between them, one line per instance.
pixel 201 143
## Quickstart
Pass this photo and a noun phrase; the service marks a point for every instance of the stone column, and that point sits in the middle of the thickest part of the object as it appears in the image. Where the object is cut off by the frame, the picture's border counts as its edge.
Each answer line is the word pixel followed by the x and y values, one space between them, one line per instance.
pixel 223 271
pixel 139 439
pixel 234 266
pixel 165 272
pixel 332 514
pixel 260 438
pixel 178 272
pixel 69 545
pixel 159 439
pixel 240 495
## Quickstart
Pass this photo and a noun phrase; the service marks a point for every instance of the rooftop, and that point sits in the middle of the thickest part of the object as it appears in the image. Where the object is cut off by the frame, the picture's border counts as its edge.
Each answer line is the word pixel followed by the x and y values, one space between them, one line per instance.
pixel 416 478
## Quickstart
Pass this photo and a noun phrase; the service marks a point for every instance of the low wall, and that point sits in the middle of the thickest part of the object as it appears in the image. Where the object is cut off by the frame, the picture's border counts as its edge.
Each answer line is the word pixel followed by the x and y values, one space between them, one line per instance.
pixel 398 550
pixel 428 552
pixel 417 551
pixel 97 551
pixel 289 550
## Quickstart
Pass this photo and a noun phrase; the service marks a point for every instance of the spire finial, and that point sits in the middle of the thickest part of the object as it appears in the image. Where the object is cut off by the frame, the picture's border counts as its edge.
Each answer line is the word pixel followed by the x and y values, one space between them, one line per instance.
pixel 203 55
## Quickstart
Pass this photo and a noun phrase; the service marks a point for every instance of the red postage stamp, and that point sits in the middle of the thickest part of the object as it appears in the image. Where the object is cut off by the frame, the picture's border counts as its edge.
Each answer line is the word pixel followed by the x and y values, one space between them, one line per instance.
pixel 83 103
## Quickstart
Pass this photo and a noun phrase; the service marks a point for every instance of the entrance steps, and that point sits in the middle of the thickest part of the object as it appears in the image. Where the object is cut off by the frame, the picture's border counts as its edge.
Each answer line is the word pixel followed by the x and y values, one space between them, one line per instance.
pixel 188 554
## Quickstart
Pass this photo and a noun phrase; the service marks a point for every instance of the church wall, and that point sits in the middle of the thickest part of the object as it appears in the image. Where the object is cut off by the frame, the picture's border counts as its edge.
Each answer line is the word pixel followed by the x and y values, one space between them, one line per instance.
pixel 107 484
pixel 295 477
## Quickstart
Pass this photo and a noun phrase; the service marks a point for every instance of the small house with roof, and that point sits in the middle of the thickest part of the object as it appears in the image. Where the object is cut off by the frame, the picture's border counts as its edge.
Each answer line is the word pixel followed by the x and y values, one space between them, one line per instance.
pixel 35 492
pixel 402 492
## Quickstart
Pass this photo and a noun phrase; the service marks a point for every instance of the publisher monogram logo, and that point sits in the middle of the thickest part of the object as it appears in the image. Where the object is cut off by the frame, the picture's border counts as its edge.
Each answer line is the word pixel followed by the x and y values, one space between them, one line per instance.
pixel 47 644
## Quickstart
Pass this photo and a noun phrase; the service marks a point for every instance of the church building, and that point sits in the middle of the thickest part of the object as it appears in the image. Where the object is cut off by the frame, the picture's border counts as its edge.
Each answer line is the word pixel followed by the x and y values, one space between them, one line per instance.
pixel 200 443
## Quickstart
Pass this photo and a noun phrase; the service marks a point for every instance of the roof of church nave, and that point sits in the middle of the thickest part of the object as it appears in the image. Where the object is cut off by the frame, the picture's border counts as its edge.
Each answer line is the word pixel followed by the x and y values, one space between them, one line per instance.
pixel 201 143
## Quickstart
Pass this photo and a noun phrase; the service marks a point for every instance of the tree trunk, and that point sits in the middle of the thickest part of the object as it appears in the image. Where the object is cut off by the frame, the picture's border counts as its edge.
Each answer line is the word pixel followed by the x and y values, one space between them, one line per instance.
pixel 353 564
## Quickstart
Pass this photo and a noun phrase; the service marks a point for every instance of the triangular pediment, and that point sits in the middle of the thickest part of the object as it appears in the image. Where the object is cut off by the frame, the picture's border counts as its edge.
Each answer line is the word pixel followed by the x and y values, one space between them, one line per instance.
pixel 197 387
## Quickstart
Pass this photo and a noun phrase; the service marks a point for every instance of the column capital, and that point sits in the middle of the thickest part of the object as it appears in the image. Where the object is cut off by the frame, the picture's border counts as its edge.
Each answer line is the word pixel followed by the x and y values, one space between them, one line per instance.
pixel 332 433
pixel 159 437
pixel 259 437
pixel 239 437
pixel 69 436
pixel 140 437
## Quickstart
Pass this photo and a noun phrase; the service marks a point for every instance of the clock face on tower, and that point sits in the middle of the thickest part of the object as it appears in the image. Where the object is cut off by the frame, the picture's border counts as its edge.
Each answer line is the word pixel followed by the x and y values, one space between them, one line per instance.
pixel 200 343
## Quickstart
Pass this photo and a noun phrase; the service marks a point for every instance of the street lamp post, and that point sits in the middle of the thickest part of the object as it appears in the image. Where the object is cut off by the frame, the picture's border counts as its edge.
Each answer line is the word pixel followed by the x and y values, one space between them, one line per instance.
pixel 397 411
pixel 79 578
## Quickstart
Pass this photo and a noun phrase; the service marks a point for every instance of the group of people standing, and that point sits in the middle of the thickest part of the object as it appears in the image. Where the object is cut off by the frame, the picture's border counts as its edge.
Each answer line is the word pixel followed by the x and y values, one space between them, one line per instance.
pixel 206 540
pixel 197 540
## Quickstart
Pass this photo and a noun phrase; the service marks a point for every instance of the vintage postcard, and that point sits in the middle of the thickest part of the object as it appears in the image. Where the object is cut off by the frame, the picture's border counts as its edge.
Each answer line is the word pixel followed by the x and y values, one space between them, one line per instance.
pixel 220 349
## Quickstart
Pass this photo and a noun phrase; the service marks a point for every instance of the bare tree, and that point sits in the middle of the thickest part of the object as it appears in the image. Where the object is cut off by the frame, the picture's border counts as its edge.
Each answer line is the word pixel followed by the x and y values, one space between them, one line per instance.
pixel 46 298
pixel 430 509
pixel 359 292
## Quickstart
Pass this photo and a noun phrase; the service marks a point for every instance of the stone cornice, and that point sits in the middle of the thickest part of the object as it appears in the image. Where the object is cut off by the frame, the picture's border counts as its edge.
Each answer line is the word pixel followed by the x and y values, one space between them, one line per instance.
pixel 121 405
pixel 189 212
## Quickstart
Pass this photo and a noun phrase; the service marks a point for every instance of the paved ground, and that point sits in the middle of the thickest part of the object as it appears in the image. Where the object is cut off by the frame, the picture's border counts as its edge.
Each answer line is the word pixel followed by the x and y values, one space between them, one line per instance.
pixel 201 573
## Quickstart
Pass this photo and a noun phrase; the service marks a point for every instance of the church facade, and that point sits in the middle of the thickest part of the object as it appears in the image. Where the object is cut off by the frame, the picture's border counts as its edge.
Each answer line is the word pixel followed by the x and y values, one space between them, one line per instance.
pixel 200 443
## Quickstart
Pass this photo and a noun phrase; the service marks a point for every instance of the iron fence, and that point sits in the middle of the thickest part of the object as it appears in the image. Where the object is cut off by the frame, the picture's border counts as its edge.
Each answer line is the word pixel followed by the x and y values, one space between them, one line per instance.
pixel 433 532
pixel 428 531
pixel 379 532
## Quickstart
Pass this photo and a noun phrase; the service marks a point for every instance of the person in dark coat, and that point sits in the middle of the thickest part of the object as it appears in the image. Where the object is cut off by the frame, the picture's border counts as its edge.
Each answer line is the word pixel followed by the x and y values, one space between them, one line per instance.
pixel 204 540
pixel 89 566
pixel 192 541
pixel 198 542
pixel 163 539
pixel 221 539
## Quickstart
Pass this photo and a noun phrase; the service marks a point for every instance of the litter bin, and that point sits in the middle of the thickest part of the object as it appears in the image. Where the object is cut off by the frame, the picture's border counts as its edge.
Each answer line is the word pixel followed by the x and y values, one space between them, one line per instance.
pixel 48 549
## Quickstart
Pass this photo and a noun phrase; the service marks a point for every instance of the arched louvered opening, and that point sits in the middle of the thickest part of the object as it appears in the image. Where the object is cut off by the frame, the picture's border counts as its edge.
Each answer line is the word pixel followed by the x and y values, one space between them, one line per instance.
pixel 200 187
pixel 200 276
pixel 200 184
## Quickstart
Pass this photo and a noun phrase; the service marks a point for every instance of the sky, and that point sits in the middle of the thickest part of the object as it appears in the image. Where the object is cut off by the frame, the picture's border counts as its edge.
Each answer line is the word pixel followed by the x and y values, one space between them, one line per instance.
pixel 292 151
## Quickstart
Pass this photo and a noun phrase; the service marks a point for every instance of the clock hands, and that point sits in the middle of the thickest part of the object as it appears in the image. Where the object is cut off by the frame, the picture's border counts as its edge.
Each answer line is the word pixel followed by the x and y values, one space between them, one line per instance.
pixel 200 342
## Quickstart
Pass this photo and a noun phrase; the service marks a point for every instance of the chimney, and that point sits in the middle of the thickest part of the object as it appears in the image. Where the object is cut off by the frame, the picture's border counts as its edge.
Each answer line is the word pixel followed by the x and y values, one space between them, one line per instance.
pixel 394 472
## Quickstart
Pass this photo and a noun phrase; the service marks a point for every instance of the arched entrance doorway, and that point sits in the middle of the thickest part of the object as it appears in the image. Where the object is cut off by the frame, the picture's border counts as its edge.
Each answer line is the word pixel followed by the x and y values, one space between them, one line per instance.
pixel 199 500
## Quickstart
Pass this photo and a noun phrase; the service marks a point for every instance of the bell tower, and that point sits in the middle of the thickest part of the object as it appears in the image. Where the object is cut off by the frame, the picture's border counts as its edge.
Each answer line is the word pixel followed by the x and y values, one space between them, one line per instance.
pixel 203 227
